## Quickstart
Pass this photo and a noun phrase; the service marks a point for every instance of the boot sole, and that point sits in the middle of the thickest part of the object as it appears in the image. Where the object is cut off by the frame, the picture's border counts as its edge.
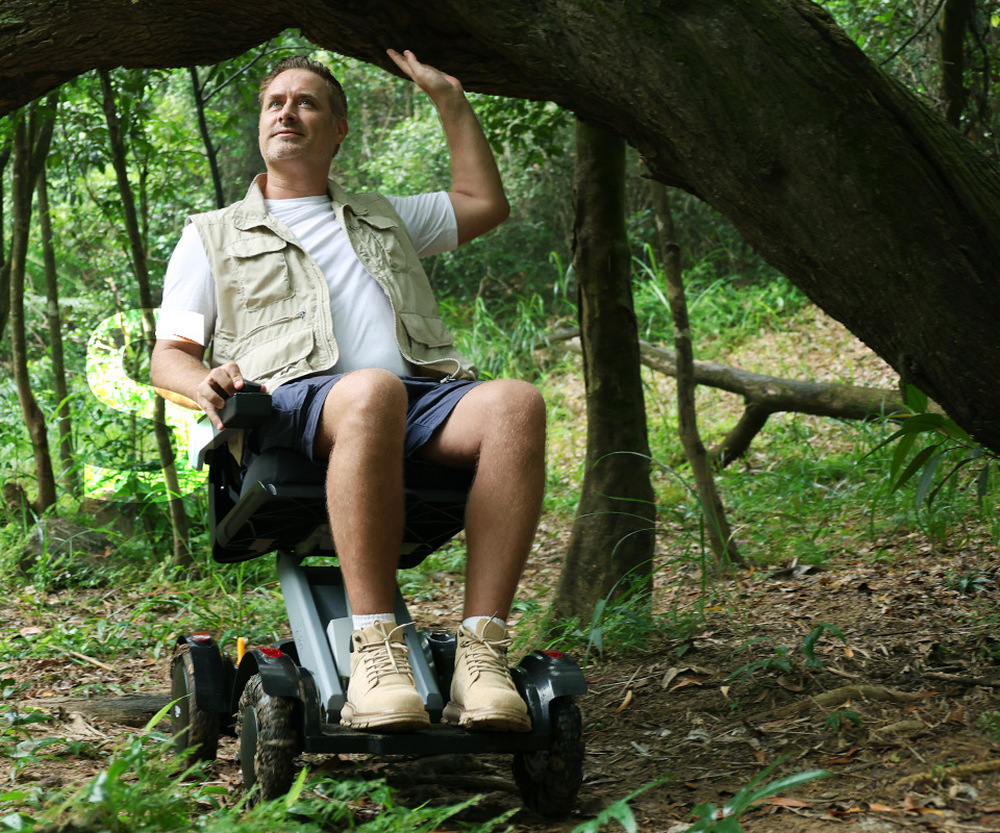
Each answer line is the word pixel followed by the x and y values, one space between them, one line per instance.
pixel 487 719
pixel 385 722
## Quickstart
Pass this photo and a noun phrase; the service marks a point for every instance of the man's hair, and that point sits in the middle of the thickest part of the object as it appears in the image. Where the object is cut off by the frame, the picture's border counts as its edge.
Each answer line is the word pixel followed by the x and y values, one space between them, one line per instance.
pixel 338 101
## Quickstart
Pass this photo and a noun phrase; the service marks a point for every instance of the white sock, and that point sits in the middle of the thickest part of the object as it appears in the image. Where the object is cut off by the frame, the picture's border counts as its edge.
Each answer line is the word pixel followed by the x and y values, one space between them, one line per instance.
pixel 363 620
pixel 473 622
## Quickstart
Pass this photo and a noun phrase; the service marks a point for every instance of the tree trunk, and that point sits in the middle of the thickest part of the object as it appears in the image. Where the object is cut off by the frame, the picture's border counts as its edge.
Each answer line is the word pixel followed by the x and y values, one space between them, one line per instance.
pixel 5 152
pixel 4 158
pixel 720 534
pixel 210 150
pixel 611 546
pixel 954 25
pixel 178 514
pixel 871 203
pixel 32 136
pixel 70 478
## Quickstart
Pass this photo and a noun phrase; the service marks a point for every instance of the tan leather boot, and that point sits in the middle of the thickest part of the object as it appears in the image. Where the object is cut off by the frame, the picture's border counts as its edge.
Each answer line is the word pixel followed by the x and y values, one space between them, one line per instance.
pixel 381 695
pixel 483 695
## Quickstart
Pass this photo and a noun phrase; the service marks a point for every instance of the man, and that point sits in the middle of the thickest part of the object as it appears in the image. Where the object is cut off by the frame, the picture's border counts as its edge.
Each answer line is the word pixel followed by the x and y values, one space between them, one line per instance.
pixel 320 296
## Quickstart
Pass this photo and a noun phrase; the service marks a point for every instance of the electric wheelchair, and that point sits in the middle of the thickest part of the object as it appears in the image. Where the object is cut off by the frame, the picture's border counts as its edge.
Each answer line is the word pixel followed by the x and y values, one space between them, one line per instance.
pixel 285 699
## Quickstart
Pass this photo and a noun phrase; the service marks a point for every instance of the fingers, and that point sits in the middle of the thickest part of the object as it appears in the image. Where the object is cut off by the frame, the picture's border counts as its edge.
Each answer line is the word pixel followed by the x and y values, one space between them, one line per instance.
pixel 428 78
pixel 402 61
pixel 221 383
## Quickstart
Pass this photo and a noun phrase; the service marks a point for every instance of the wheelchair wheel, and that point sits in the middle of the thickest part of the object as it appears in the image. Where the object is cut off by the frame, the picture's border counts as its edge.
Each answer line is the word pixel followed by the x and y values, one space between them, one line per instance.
pixel 270 738
pixel 549 779
pixel 192 726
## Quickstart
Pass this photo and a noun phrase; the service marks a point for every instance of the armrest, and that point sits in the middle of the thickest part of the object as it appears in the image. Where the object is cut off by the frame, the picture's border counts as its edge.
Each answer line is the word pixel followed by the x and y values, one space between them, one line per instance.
pixel 247 408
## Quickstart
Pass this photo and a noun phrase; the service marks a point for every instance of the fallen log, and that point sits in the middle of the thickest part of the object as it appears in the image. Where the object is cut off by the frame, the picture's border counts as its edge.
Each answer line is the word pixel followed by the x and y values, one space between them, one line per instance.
pixel 134 710
pixel 765 395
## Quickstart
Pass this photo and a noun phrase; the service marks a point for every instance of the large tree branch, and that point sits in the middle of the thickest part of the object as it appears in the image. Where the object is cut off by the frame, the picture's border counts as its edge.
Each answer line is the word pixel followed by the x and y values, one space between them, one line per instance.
pixel 872 204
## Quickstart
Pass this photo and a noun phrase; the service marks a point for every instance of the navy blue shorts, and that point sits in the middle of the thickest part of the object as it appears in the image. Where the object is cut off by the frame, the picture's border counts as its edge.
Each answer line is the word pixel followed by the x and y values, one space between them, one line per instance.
pixel 298 405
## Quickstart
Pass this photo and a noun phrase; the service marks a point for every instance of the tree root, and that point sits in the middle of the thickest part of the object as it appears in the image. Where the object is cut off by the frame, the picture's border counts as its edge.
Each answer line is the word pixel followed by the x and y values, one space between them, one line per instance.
pixel 829 700
pixel 940 773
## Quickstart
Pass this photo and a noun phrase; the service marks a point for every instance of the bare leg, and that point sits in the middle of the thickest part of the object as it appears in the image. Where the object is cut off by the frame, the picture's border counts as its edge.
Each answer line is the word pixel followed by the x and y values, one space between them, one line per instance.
pixel 498 428
pixel 361 433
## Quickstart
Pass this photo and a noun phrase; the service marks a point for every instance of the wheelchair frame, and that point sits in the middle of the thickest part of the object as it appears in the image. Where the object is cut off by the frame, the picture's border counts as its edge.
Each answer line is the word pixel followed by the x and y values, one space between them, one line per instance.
pixel 285 699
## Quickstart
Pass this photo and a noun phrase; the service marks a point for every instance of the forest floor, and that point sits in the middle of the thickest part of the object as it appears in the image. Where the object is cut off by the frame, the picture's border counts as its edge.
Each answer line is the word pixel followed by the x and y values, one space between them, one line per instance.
pixel 879 667
pixel 911 681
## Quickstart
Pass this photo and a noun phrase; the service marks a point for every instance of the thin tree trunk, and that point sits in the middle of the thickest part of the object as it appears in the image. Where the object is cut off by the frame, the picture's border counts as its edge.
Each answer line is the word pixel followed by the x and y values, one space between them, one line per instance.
pixel 611 547
pixel 719 533
pixel 32 137
pixel 178 515
pixel 954 25
pixel 5 152
pixel 210 150
pixel 4 159
pixel 70 478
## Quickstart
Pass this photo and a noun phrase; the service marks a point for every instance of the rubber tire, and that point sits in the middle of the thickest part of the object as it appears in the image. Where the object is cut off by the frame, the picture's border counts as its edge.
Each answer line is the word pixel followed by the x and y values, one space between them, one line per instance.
pixel 191 726
pixel 269 731
pixel 550 779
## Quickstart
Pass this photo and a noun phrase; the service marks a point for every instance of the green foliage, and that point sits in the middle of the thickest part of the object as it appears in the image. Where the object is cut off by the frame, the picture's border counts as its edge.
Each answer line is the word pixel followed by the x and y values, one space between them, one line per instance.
pixel 619 811
pixel 726 819
pixel 989 722
pixel 935 450
pixel 782 658
pixel 838 719
pixel 140 789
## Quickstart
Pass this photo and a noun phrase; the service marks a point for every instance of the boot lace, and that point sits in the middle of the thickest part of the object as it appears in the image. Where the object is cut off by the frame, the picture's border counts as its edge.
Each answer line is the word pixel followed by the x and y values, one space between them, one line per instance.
pixel 486 656
pixel 384 657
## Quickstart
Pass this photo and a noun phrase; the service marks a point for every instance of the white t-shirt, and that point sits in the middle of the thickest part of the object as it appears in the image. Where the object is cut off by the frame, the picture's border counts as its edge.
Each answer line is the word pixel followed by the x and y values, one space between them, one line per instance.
pixel 363 323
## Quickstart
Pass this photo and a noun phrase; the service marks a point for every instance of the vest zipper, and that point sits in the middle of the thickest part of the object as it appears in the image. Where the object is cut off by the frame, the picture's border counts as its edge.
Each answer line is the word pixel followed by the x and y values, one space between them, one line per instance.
pixel 284 320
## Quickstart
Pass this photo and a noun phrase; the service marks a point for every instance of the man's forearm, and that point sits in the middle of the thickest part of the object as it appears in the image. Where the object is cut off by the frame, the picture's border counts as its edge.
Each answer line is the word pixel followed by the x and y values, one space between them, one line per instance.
pixel 176 369
pixel 475 177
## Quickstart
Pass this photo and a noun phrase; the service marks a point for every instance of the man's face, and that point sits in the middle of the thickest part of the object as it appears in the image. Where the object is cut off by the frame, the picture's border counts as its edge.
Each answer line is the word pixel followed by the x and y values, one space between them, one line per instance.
pixel 296 121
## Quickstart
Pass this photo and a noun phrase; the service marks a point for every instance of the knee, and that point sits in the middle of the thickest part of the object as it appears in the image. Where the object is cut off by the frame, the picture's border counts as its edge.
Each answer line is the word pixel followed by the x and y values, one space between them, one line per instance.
pixel 370 398
pixel 517 406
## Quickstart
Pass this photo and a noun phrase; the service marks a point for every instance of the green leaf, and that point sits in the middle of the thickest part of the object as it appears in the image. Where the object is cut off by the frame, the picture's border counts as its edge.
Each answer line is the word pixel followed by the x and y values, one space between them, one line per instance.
pixel 619 811
pixel 787 783
pixel 901 453
pixel 927 478
pixel 916 399
pixel 915 465
pixel 296 789
pixel 13 821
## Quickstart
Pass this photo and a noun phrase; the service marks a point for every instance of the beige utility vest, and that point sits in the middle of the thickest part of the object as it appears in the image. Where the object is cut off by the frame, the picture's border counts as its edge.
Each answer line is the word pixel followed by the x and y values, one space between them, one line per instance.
pixel 274 316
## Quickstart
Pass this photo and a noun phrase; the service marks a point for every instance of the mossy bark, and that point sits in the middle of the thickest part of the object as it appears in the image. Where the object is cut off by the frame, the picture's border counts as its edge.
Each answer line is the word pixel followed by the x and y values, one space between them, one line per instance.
pixel 611 546
pixel 869 201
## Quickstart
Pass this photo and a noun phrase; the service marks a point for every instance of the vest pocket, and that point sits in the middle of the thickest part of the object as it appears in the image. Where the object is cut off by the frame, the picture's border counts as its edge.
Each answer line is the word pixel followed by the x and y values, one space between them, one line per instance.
pixel 282 353
pixel 260 265
pixel 427 330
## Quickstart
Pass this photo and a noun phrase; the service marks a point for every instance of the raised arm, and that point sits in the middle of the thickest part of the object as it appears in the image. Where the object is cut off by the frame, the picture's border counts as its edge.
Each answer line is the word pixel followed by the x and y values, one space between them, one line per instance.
pixel 476 189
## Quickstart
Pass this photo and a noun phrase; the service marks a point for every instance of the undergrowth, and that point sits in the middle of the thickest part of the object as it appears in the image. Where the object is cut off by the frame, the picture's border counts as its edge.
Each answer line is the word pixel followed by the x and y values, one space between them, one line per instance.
pixel 810 491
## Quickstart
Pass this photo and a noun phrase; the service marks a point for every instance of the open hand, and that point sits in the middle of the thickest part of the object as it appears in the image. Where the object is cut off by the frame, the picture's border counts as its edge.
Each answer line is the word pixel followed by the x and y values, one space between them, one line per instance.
pixel 431 80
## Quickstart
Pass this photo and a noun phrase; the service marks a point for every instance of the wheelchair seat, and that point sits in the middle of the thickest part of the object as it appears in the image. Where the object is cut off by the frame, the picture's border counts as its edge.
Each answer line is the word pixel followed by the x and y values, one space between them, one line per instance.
pixel 278 503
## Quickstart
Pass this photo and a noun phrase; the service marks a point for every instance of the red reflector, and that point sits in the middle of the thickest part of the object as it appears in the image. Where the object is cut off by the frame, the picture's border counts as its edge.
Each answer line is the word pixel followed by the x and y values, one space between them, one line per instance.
pixel 553 654
pixel 272 653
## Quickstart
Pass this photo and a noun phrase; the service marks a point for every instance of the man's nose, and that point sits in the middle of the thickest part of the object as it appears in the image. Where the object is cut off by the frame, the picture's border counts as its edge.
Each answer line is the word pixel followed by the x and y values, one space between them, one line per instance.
pixel 287 112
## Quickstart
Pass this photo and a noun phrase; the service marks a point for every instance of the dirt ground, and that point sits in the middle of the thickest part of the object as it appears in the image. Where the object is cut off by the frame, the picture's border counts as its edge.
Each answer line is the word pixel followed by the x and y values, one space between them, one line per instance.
pixel 893 710
pixel 880 668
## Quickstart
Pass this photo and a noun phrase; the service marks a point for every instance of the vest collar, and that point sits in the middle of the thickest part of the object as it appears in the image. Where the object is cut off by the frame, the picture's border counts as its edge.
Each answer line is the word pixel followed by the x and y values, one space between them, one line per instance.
pixel 252 211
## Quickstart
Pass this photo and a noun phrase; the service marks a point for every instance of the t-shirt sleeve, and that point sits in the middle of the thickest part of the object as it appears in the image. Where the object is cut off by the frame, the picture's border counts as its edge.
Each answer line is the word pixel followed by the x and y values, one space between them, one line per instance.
pixel 430 220
pixel 189 306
